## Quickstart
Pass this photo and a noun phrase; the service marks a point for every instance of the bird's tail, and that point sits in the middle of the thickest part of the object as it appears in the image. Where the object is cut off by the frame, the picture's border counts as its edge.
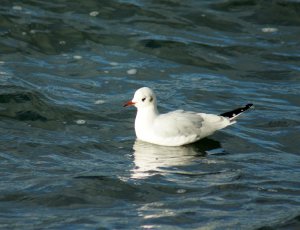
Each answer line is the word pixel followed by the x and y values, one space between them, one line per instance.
pixel 232 115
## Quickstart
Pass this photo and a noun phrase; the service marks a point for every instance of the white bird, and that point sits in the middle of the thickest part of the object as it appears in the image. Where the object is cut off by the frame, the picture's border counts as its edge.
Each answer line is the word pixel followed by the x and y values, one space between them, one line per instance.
pixel 178 127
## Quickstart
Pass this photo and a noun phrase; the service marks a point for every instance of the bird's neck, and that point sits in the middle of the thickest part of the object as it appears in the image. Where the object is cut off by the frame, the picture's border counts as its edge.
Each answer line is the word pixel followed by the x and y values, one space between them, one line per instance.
pixel 145 117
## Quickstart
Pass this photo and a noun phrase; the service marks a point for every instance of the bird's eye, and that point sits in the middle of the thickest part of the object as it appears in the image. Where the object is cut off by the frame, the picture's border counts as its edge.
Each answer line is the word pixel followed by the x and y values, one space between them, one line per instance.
pixel 143 99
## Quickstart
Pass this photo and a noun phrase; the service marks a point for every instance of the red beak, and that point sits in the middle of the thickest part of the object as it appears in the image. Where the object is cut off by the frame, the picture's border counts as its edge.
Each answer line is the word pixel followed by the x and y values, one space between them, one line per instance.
pixel 129 103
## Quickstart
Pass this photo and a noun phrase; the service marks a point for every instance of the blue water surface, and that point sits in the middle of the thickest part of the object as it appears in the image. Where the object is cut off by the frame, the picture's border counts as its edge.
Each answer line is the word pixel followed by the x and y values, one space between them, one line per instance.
pixel 69 158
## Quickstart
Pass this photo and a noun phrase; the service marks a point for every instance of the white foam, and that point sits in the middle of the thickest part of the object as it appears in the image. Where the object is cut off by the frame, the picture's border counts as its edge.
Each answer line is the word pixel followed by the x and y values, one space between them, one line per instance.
pixel 180 191
pixel 99 102
pixel 77 57
pixel 269 30
pixel 62 42
pixel 94 13
pixel 17 8
pixel 80 122
pixel 132 71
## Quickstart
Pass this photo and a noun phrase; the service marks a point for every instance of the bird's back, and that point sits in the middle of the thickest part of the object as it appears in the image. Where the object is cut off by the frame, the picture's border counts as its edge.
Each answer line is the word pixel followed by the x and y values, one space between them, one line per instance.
pixel 183 127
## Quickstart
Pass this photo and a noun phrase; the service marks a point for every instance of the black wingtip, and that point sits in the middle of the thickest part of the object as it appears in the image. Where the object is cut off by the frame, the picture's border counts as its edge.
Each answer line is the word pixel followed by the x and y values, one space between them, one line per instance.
pixel 248 106
pixel 234 113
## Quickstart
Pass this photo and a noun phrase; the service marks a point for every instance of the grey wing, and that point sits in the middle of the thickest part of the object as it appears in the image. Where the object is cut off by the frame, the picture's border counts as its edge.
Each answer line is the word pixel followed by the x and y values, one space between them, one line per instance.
pixel 178 123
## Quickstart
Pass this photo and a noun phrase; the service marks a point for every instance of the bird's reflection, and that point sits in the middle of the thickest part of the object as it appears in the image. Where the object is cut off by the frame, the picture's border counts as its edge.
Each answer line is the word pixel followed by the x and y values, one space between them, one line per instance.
pixel 153 159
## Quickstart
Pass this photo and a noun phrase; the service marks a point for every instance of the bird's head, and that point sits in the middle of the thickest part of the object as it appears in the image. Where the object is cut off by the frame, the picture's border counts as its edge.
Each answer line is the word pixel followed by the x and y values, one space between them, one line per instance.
pixel 143 97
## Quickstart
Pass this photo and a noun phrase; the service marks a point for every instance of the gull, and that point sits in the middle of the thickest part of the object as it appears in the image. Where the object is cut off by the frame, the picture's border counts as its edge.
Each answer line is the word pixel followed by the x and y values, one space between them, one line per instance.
pixel 178 127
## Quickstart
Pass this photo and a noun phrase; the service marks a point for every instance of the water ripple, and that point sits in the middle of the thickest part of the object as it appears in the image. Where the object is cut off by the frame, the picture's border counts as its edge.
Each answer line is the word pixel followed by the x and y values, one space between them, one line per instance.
pixel 68 154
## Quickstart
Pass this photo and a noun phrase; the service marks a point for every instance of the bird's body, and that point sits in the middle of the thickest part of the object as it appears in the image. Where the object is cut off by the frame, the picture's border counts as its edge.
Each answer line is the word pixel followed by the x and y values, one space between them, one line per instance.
pixel 178 127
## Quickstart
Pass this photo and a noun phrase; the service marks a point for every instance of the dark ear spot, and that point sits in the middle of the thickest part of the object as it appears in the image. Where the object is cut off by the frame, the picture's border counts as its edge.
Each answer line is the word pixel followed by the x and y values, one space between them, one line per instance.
pixel 151 99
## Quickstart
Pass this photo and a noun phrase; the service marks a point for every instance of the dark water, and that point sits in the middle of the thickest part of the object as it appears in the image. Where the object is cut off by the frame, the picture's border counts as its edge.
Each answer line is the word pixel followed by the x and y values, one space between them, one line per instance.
pixel 68 155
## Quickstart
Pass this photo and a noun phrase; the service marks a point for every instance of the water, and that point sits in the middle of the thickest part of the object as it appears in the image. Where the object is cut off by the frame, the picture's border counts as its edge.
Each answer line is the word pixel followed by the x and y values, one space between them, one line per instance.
pixel 68 154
